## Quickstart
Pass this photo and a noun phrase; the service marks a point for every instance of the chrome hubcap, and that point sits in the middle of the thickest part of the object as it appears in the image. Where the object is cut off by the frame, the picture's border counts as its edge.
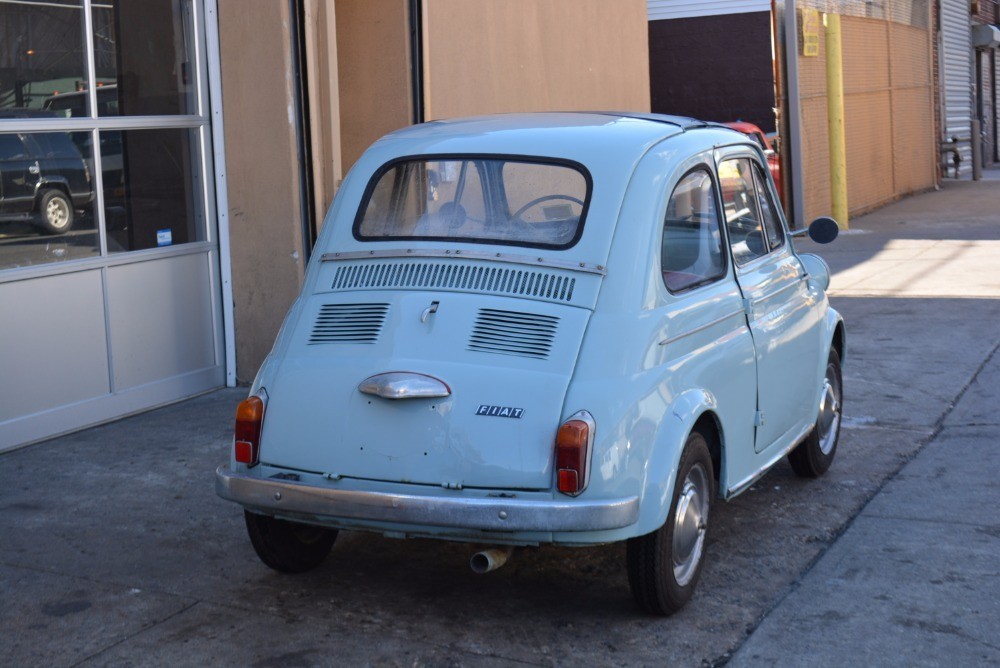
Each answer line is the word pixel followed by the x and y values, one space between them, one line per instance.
pixel 57 213
pixel 690 523
pixel 829 412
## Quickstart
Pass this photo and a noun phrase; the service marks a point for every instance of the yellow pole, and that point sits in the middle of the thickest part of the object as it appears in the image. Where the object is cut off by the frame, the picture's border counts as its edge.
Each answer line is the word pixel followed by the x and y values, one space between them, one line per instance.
pixel 835 116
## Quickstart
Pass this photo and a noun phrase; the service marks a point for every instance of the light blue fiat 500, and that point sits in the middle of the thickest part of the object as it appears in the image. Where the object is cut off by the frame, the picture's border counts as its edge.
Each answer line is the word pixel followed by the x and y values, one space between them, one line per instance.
pixel 569 328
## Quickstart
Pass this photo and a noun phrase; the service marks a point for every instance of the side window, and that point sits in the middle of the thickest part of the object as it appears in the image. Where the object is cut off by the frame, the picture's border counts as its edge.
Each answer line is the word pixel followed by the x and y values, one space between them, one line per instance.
pixel 772 223
pixel 11 148
pixel 743 220
pixel 691 251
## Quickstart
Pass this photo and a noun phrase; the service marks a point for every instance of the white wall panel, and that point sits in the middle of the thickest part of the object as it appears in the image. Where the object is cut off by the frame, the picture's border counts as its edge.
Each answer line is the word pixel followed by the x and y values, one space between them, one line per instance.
pixel 53 349
pixel 679 9
pixel 160 319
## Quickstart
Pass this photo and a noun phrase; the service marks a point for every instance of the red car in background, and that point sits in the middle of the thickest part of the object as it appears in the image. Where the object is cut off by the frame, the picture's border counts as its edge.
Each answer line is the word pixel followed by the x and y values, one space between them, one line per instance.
pixel 773 159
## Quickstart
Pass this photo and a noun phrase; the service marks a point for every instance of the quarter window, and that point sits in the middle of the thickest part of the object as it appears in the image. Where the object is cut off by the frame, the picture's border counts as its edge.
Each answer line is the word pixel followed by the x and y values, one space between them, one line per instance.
pixel 769 215
pixel 743 217
pixel 691 251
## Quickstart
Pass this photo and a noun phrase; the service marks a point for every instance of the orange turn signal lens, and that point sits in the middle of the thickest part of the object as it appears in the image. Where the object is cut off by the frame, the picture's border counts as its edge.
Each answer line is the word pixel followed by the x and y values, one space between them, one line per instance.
pixel 249 419
pixel 572 454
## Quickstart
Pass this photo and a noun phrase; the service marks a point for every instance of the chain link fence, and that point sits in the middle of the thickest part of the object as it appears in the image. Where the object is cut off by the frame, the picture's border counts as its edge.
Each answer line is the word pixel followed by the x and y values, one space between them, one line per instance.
pixel 888 102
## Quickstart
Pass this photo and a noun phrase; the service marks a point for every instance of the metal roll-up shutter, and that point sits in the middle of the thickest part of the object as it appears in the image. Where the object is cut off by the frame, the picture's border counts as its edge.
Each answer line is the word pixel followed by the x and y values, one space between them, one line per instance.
pixel 956 71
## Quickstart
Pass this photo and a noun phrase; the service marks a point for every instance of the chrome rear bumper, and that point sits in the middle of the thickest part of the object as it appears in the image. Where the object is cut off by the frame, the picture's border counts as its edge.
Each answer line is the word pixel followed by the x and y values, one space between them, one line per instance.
pixel 499 514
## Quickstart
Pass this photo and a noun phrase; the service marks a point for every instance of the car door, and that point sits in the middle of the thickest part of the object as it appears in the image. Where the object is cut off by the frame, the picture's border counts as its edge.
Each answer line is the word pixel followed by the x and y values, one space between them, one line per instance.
pixel 19 173
pixel 781 308
pixel 708 344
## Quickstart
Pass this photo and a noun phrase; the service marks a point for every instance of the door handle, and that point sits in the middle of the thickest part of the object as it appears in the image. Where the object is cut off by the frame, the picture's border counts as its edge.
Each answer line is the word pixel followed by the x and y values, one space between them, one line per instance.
pixel 33 169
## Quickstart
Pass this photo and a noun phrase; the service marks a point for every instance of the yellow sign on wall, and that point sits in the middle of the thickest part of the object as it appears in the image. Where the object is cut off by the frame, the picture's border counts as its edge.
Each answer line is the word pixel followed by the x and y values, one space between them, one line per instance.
pixel 810 32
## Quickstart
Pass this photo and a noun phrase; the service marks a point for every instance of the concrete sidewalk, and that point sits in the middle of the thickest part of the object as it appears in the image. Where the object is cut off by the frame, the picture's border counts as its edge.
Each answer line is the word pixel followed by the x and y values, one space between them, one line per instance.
pixel 915 578
pixel 114 549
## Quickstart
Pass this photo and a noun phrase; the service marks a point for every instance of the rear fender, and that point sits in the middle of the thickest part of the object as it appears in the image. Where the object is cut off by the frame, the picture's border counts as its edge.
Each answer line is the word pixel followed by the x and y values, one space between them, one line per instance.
pixel 661 471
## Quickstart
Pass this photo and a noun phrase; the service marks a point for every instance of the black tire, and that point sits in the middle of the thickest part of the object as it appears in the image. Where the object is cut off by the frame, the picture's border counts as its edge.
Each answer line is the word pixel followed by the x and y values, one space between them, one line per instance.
pixel 659 584
pixel 288 547
pixel 813 456
pixel 55 212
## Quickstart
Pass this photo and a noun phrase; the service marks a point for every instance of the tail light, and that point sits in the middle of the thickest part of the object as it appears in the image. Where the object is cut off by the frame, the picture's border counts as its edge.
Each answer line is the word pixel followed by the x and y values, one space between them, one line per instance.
pixel 249 420
pixel 573 445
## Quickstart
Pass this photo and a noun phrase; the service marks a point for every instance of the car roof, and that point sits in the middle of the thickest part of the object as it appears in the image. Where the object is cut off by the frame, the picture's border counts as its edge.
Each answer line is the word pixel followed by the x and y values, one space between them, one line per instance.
pixel 574 135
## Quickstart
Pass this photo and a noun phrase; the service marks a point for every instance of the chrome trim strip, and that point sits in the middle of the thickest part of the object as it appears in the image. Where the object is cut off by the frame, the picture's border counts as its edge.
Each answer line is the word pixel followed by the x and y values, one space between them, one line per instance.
pixel 789 286
pixel 283 497
pixel 701 328
pixel 585 267
pixel 741 486
pixel 404 385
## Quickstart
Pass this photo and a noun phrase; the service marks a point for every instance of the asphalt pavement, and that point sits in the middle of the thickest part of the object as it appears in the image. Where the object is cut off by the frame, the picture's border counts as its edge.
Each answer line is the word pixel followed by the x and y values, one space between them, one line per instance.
pixel 115 551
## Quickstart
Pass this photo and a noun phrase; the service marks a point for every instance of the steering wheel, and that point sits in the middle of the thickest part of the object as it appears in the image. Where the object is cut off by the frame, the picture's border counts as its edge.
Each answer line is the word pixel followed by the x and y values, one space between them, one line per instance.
pixel 538 200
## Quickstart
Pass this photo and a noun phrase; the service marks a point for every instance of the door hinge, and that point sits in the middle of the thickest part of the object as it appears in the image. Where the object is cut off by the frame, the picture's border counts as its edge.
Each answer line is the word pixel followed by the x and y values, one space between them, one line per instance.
pixel 758 419
pixel 748 306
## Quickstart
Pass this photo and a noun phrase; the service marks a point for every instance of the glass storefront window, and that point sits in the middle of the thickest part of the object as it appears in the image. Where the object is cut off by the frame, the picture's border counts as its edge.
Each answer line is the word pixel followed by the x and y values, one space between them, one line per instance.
pixel 143 57
pixel 152 188
pixel 46 198
pixel 142 54
pixel 42 57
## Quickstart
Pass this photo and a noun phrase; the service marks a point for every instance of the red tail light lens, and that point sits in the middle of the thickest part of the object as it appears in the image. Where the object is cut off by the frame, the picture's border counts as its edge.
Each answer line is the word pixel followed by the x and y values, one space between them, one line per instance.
pixel 573 443
pixel 249 418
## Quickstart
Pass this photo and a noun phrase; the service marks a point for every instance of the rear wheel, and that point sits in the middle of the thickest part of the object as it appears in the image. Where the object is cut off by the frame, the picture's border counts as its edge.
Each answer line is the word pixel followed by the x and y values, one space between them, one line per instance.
pixel 56 212
pixel 289 547
pixel 813 456
pixel 664 566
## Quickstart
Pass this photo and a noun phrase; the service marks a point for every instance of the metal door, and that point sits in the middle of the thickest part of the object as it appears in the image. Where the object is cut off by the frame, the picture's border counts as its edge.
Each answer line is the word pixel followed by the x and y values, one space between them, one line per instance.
pixel 781 309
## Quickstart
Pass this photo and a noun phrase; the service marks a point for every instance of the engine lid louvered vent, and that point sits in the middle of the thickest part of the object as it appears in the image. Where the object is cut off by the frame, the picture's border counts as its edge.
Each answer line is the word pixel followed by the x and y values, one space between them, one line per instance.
pixel 549 285
pixel 348 323
pixel 513 333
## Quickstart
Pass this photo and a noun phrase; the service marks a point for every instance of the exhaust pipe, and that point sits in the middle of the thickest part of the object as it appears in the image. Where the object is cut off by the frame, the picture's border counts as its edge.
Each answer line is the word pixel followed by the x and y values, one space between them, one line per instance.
pixel 490 560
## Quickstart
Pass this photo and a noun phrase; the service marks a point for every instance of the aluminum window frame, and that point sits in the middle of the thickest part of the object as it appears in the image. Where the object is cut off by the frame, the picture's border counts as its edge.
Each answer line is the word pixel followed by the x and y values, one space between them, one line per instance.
pixel 202 139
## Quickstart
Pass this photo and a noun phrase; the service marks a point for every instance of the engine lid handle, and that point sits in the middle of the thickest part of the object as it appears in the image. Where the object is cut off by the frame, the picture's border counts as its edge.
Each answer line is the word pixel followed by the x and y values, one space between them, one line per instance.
pixel 404 385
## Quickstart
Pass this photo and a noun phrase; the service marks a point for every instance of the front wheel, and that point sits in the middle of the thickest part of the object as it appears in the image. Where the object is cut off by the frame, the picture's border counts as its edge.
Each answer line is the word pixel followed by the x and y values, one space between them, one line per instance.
pixel 288 547
pixel 813 456
pixel 56 212
pixel 664 566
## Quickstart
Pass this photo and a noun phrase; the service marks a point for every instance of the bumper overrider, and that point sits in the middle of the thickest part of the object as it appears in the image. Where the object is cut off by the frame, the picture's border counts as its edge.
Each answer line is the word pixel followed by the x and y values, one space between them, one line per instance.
pixel 285 497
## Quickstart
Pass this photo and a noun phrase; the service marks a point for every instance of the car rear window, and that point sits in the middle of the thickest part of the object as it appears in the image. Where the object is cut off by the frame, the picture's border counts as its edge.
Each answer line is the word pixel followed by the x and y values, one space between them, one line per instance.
pixel 491 199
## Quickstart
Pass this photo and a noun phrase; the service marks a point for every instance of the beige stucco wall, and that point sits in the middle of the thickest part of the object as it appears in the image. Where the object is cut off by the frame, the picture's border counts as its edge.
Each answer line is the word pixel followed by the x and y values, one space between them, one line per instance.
pixel 481 56
pixel 261 172
pixel 488 56
pixel 373 58
pixel 889 119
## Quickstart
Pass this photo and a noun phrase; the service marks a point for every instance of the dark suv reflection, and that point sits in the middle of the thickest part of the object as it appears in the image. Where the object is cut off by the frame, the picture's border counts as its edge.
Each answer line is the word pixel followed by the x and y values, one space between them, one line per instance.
pixel 44 179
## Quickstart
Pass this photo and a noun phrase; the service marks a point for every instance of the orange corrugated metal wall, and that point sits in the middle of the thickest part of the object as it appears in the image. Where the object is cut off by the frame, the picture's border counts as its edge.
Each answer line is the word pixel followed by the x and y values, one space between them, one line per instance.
pixel 888 100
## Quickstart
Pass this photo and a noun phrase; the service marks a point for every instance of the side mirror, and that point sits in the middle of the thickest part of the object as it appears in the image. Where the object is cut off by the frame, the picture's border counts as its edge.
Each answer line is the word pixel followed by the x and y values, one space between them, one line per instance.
pixel 823 230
